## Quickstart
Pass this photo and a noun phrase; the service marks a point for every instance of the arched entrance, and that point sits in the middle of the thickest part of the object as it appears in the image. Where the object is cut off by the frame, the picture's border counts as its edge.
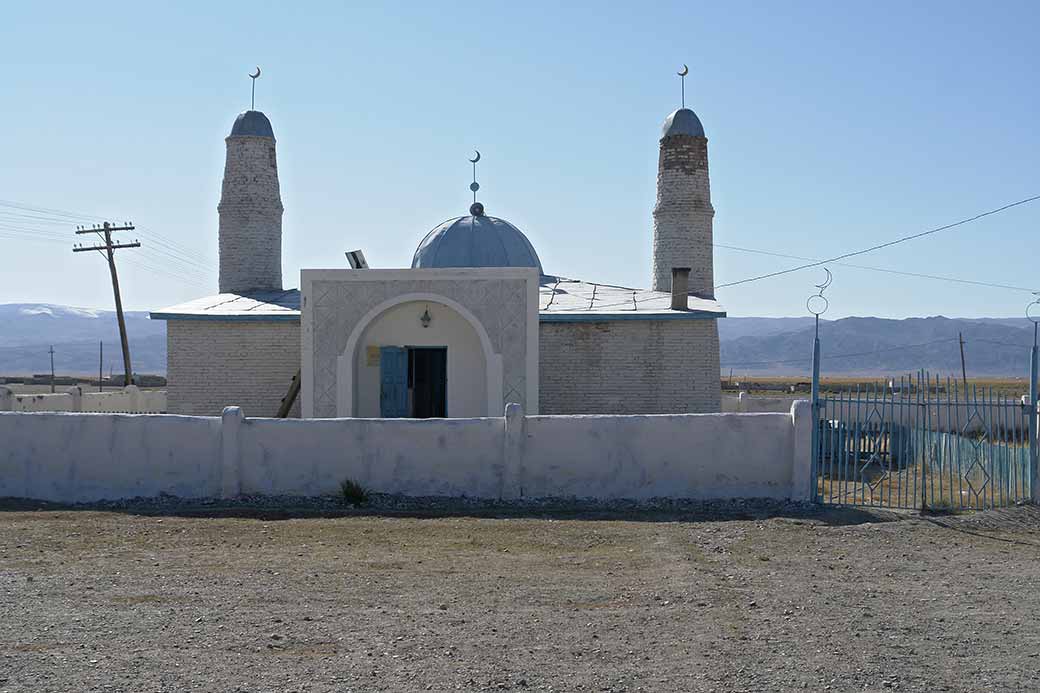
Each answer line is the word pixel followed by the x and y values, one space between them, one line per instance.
pixel 399 363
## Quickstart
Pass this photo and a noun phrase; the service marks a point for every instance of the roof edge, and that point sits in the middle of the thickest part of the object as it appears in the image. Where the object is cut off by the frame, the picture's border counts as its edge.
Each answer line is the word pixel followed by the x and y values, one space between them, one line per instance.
pixel 617 317
pixel 293 316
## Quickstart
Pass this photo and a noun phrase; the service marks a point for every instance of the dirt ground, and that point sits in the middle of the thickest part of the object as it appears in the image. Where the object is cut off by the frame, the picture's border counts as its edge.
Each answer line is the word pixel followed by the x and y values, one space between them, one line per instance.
pixel 826 600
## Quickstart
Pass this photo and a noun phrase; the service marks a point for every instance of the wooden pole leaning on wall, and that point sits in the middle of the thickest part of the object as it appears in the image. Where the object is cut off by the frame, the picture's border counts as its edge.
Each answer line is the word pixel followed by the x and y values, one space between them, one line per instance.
pixel 290 397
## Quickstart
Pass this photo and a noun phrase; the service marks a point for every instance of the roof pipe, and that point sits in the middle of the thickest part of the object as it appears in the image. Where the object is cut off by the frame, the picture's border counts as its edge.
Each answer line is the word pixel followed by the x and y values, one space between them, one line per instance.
pixel 680 288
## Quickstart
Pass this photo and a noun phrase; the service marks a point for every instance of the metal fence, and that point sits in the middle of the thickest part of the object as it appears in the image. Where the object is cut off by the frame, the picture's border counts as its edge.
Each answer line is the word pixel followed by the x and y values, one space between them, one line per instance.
pixel 923 443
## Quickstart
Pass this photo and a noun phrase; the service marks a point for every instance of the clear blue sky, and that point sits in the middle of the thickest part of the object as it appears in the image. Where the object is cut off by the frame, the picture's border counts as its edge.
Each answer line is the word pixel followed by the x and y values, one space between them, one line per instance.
pixel 831 126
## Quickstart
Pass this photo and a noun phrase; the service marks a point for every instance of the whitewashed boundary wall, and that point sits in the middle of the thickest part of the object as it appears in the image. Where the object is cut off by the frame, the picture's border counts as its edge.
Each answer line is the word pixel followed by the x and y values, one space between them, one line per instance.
pixel 129 400
pixel 85 457
pixel 743 403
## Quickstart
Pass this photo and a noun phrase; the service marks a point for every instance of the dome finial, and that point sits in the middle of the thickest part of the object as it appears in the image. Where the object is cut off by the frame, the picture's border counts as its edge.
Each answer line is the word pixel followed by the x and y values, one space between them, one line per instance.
pixel 475 186
pixel 682 82
pixel 252 97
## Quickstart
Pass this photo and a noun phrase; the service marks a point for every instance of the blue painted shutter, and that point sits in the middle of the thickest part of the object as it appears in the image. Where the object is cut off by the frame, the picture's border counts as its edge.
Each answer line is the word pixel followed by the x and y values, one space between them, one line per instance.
pixel 393 382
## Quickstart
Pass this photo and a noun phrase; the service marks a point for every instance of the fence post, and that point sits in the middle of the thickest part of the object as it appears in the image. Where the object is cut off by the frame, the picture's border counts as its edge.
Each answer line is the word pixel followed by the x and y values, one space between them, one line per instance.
pixel 230 452
pixel 76 392
pixel 134 396
pixel 814 438
pixel 1034 481
pixel 512 452
pixel 803 457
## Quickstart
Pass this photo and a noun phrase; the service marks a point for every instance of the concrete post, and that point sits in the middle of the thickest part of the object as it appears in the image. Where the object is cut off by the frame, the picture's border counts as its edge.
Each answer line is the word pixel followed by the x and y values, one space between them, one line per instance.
pixel 230 452
pixel 801 473
pixel 133 394
pixel 6 399
pixel 76 392
pixel 512 452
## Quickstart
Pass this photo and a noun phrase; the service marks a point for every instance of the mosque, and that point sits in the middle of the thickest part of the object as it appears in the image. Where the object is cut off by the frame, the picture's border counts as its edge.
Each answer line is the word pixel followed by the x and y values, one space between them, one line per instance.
pixel 473 324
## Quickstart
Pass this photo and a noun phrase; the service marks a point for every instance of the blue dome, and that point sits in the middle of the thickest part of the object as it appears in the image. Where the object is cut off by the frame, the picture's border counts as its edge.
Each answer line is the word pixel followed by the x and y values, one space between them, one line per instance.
pixel 476 241
pixel 252 124
pixel 682 122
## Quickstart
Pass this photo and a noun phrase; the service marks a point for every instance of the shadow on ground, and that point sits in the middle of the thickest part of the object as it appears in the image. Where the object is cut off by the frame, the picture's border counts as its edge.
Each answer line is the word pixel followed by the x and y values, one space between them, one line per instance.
pixel 655 510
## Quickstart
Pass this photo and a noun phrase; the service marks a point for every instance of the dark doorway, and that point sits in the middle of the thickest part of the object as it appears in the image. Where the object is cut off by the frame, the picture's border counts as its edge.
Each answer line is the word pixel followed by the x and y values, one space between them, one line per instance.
pixel 428 381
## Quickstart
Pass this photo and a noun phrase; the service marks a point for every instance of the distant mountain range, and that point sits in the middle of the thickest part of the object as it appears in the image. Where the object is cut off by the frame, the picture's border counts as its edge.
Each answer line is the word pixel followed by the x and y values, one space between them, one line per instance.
pixel 765 346
pixel 877 346
pixel 28 330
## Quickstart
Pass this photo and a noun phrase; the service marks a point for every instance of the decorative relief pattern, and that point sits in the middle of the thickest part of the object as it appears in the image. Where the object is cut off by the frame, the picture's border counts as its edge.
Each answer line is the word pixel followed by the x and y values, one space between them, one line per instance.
pixel 499 304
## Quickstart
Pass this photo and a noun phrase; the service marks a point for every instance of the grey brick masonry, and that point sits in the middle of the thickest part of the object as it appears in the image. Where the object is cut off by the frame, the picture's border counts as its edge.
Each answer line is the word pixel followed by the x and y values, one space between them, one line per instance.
pixel 629 367
pixel 250 212
pixel 213 364
pixel 683 215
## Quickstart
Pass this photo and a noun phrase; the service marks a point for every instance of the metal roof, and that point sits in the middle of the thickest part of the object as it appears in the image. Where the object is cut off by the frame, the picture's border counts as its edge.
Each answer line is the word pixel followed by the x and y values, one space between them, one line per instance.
pixel 682 122
pixel 475 241
pixel 559 300
pixel 253 305
pixel 572 300
pixel 252 124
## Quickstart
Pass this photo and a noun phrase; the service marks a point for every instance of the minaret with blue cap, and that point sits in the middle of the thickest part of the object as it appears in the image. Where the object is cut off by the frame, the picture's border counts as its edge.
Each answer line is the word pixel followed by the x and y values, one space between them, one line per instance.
pixel 250 208
pixel 683 213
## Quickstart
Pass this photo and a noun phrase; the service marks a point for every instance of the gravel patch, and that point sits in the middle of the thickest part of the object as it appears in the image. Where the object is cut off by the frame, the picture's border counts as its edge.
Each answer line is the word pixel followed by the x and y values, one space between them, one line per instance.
pixel 296 594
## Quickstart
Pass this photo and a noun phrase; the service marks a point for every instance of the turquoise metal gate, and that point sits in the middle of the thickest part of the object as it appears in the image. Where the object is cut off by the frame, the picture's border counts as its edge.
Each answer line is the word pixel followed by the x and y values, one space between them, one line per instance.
pixel 924 443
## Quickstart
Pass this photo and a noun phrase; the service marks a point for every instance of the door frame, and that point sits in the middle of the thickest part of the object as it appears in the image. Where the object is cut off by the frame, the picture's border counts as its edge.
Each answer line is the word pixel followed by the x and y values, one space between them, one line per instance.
pixel 410 347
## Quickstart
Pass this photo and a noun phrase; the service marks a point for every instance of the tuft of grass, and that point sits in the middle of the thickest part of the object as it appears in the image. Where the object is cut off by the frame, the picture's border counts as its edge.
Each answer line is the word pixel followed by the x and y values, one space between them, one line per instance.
pixel 940 506
pixel 352 492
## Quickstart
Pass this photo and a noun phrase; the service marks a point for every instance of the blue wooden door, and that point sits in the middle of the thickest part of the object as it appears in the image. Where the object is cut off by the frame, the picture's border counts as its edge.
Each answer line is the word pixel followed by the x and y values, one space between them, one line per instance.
pixel 393 382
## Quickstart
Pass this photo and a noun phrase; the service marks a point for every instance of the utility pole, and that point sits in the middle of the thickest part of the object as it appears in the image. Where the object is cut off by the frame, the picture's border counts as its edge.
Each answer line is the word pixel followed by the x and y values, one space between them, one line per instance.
pixel 104 232
pixel 964 371
pixel 52 368
pixel 100 366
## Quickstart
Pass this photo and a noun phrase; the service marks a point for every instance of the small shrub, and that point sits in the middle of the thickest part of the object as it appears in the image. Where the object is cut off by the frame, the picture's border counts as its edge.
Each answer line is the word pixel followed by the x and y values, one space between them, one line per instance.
pixel 352 492
pixel 941 506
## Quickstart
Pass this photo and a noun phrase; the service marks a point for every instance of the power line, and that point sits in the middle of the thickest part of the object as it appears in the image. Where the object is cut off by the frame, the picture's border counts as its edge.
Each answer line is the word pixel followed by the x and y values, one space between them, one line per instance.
pixel 878 269
pixel 166 257
pixel 871 249
pixel 31 215
pixel 1001 343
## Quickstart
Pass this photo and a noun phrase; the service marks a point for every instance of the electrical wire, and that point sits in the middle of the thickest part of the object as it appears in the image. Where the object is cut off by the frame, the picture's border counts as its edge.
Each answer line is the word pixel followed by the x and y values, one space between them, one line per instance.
pixel 878 269
pixel 29 215
pixel 888 244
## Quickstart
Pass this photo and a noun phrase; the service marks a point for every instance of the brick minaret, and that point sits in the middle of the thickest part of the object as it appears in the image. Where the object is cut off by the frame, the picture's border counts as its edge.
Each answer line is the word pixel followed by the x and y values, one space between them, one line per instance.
pixel 250 209
pixel 683 213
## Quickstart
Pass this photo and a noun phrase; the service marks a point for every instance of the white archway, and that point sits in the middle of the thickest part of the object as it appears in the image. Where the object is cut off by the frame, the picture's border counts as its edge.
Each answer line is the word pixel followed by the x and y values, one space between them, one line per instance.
pixel 346 362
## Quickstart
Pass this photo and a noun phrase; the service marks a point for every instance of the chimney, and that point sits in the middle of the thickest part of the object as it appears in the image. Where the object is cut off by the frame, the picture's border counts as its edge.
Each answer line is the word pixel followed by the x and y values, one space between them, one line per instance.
pixel 680 288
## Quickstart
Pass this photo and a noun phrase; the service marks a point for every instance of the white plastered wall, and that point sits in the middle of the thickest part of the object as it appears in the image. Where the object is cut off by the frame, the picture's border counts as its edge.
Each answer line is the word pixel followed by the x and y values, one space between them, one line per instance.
pixel 500 305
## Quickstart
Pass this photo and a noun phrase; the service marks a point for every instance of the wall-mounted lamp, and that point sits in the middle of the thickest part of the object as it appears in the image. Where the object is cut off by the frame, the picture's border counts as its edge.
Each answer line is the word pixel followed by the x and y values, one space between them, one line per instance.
pixel 426 318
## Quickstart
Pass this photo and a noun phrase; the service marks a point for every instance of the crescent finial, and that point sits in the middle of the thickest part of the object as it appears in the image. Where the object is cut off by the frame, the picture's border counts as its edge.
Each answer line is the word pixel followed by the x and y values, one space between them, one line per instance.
pixel 826 282
pixel 684 71
pixel 475 160
pixel 257 72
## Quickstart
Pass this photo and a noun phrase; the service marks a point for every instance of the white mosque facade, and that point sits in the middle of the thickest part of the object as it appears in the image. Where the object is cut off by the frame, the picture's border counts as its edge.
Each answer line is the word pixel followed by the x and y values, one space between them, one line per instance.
pixel 474 324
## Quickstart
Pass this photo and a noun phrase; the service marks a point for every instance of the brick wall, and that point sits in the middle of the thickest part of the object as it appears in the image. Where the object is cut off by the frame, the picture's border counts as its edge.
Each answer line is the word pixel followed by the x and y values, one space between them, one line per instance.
pixel 617 367
pixel 683 215
pixel 214 364
pixel 629 367
pixel 250 212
